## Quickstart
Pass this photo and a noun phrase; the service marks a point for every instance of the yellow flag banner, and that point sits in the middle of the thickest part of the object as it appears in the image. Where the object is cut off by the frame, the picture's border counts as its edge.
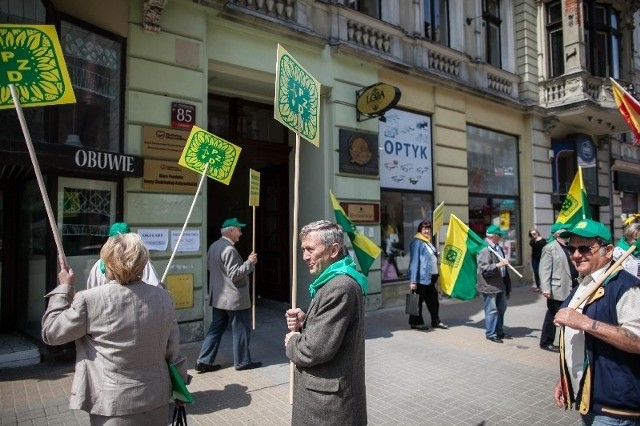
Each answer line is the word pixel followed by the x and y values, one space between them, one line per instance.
pixel 366 250
pixel 31 59
pixel 575 206
pixel 458 265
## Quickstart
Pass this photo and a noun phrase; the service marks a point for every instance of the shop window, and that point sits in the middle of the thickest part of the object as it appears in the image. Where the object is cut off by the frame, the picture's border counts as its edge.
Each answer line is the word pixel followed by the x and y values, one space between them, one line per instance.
pixel 494 186
pixel 95 67
pixel 602 37
pixel 504 212
pixel 400 214
pixel 555 42
pixel 436 21
pixel 492 23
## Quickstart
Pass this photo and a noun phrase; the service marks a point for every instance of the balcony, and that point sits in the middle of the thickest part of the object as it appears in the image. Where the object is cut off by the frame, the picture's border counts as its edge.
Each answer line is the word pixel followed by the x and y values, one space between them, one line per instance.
pixel 580 103
pixel 373 40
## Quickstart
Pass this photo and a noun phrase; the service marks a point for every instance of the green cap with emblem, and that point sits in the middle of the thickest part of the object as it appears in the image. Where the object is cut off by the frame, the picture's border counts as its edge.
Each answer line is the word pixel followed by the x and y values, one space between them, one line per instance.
pixel 588 228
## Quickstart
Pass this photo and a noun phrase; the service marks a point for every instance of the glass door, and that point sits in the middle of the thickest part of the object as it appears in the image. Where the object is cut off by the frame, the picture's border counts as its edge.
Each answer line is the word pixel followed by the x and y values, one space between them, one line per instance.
pixel 86 210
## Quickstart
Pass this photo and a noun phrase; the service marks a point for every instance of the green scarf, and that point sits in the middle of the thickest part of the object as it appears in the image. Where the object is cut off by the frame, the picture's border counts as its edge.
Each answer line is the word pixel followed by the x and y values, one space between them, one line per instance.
pixel 341 267
pixel 624 245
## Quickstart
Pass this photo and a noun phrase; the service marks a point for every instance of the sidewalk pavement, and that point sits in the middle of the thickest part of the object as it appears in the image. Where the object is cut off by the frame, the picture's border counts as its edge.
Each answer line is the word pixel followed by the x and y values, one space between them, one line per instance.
pixel 435 377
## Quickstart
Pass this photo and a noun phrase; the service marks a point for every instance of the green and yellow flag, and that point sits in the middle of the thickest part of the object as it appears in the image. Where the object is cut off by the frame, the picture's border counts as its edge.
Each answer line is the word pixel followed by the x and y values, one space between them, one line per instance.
pixel 458 266
pixel 366 250
pixel 575 206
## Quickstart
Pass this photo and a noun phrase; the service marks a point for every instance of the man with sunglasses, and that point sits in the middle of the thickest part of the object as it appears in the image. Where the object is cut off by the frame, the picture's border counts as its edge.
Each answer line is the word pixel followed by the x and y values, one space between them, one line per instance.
pixel 600 343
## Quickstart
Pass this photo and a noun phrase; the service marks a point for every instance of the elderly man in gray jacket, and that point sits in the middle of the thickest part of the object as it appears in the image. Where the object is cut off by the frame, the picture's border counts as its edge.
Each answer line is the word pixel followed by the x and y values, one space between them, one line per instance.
pixel 557 275
pixel 229 297
pixel 327 344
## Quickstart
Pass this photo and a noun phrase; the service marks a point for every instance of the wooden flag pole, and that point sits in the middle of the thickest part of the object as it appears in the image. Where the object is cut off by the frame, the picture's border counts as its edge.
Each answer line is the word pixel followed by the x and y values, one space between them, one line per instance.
pixel 593 286
pixel 193 204
pixel 294 245
pixel 253 276
pixel 509 265
pixel 36 169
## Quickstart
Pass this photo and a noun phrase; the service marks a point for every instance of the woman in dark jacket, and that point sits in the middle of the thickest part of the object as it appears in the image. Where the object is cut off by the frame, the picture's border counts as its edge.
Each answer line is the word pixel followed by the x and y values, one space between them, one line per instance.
pixel 536 242
pixel 423 275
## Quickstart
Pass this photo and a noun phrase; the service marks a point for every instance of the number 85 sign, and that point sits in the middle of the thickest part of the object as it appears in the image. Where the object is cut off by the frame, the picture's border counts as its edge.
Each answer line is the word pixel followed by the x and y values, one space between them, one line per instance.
pixel 183 115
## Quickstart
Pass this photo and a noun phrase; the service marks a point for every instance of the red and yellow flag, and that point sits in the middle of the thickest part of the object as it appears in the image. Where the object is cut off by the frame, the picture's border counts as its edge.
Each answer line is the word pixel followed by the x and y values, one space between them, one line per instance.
pixel 629 108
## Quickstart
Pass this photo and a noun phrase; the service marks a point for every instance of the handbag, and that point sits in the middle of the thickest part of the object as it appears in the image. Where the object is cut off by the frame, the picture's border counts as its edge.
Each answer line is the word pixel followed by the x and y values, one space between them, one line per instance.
pixel 179 416
pixel 412 304
pixel 180 391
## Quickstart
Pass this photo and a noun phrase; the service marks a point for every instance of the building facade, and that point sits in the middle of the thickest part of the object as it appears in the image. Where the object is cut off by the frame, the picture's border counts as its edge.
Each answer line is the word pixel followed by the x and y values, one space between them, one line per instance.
pixel 500 101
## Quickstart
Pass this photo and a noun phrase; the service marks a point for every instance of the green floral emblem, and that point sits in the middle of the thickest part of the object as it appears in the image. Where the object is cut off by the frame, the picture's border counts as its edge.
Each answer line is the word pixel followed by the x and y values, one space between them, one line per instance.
pixel 218 153
pixel 568 205
pixel 297 95
pixel 452 256
pixel 29 62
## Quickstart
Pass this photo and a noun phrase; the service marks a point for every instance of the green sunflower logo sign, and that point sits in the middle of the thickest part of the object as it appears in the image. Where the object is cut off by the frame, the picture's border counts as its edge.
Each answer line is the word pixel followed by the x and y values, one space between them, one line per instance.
pixel 452 256
pixel 297 101
pixel 31 59
pixel 204 148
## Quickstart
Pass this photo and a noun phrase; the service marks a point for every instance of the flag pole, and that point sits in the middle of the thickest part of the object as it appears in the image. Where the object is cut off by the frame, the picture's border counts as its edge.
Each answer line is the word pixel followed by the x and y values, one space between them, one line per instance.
pixel 36 169
pixel 195 198
pixel 508 264
pixel 294 244
pixel 253 276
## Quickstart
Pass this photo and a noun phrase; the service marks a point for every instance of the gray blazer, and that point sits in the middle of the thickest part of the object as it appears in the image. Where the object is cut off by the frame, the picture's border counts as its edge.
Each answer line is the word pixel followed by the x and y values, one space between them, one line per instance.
pixel 555 275
pixel 329 379
pixel 489 278
pixel 124 335
pixel 228 277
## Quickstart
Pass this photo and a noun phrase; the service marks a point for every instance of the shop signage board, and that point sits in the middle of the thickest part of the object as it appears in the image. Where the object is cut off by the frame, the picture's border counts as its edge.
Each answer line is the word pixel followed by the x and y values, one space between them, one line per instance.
pixel 31 59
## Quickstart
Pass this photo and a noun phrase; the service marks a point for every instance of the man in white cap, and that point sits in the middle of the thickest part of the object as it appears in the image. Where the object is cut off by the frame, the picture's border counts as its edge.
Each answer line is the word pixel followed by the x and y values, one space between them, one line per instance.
pixel 230 299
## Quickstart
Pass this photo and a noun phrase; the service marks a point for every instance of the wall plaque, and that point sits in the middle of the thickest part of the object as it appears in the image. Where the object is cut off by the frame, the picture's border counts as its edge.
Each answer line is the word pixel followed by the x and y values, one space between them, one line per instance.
pixel 362 212
pixel 163 142
pixel 168 176
pixel 358 152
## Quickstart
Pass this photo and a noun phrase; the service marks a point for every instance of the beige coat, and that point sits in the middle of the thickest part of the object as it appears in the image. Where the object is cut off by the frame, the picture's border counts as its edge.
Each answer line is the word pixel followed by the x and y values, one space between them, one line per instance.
pixel 124 335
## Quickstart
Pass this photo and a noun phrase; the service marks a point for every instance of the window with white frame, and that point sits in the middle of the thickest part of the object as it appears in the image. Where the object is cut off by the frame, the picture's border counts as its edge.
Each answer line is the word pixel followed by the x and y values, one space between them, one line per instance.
pixel 436 21
pixel 368 7
pixel 602 37
pixel 492 23
pixel 555 42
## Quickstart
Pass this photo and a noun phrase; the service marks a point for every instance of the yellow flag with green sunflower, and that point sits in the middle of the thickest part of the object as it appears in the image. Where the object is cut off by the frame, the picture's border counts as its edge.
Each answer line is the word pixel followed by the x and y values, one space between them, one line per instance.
pixel 31 59
pixel 204 148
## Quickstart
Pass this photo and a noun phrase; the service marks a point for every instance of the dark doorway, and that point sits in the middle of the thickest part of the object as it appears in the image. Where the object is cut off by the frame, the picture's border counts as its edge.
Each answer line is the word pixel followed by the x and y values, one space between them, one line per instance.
pixel 266 151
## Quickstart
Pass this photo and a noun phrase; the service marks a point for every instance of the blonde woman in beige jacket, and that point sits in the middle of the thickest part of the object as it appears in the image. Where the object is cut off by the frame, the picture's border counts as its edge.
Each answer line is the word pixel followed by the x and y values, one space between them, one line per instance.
pixel 125 333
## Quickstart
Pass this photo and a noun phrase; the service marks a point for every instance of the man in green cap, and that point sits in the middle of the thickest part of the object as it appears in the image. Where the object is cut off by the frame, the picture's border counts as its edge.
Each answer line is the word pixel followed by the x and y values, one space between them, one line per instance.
pixel 600 340
pixel 229 298
pixel 97 275
pixel 494 284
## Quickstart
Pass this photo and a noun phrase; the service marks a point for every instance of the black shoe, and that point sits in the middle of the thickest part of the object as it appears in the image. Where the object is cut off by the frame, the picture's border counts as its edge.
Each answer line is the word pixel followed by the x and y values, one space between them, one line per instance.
pixel 495 339
pixel 201 367
pixel 505 336
pixel 419 327
pixel 441 325
pixel 249 366
pixel 551 348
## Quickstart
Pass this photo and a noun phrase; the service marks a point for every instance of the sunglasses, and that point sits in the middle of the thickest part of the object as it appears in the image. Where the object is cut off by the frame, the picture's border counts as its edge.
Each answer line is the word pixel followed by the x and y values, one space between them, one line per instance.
pixel 582 249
